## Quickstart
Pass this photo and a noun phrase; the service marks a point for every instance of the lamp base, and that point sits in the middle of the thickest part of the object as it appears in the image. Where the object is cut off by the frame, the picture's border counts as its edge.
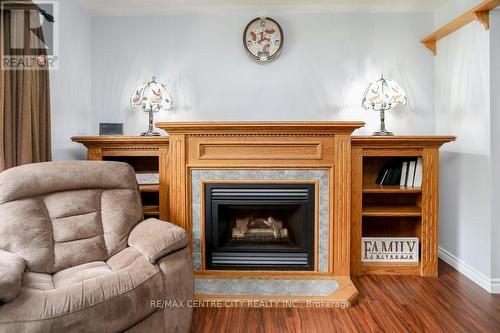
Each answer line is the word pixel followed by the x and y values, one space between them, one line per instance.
pixel 150 133
pixel 382 133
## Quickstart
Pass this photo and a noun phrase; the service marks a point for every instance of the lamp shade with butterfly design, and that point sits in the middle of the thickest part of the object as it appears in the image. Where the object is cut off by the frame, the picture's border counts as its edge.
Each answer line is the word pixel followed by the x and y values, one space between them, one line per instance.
pixel 383 95
pixel 151 97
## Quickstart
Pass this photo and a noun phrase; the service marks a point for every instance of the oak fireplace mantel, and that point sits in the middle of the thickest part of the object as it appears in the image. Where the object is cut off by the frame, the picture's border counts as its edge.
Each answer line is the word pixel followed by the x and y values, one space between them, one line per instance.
pixel 267 146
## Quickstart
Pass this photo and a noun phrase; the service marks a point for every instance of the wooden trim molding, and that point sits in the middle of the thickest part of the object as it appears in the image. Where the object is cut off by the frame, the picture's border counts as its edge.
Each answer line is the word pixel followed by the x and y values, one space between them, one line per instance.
pixel 356 207
pixel 248 128
pixel 430 213
pixel 178 185
pixel 164 184
pixel 121 140
pixel 252 151
pixel 341 206
pixel 401 141
pixel 479 13
pixel 94 154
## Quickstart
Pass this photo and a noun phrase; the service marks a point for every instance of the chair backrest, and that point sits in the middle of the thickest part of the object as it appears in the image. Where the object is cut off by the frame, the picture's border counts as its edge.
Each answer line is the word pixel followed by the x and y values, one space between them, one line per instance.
pixel 61 214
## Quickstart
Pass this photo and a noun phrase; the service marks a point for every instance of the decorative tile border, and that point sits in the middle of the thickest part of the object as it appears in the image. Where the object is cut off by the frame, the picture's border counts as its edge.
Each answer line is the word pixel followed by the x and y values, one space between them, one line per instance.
pixel 265 287
pixel 199 175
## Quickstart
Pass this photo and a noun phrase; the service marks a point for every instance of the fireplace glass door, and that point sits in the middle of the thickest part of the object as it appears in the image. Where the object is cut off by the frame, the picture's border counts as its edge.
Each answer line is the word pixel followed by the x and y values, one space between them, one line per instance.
pixel 259 226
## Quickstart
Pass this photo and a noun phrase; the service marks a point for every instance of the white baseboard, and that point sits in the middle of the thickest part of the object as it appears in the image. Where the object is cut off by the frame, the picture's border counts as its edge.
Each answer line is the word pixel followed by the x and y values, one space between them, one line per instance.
pixel 495 286
pixel 490 285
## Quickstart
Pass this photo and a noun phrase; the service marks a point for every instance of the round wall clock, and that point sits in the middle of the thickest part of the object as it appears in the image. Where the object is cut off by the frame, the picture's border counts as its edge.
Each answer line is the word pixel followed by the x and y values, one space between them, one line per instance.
pixel 263 38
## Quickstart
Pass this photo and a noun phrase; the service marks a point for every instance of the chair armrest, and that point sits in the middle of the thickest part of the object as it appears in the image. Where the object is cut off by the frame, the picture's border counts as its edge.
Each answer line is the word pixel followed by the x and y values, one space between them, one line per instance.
pixel 155 238
pixel 11 275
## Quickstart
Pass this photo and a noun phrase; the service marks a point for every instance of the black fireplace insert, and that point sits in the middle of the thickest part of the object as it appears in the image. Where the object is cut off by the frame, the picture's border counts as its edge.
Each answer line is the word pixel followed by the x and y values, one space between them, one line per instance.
pixel 259 226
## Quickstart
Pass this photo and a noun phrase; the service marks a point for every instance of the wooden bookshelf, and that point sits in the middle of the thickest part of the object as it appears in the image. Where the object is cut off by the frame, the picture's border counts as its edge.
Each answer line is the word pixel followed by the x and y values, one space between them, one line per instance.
pixel 144 154
pixel 395 211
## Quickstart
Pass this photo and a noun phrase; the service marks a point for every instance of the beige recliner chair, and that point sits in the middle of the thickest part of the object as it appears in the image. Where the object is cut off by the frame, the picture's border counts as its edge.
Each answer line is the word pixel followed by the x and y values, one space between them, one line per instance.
pixel 76 255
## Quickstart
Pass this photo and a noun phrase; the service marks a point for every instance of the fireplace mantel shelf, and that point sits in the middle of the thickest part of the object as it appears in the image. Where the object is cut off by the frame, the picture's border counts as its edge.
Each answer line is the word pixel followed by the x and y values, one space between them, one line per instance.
pixel 269 127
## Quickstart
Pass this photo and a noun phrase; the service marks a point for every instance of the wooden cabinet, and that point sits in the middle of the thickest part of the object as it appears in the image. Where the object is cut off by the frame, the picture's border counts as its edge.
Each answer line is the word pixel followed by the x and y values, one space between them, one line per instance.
pixel 395 211
pixel 144 154
pixel 375 211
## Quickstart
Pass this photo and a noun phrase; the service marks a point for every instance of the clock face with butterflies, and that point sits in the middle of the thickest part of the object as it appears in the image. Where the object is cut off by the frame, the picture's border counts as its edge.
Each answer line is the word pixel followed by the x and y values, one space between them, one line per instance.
pixel 263 39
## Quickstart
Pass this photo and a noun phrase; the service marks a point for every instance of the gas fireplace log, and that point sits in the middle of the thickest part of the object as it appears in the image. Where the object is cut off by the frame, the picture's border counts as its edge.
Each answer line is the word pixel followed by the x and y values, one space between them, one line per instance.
pixel 259 228
pixel 259 234
pixel 251 221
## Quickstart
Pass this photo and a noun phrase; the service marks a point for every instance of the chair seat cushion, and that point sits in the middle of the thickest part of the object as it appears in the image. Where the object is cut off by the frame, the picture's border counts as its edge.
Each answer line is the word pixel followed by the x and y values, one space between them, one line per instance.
pixel 98 296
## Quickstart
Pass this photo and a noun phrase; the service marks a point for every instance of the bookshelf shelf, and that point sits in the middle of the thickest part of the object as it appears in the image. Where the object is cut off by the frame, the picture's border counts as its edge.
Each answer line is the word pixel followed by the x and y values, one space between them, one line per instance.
pixel 149 188
pixel 394 211
pixel 151 210
pixel 376 188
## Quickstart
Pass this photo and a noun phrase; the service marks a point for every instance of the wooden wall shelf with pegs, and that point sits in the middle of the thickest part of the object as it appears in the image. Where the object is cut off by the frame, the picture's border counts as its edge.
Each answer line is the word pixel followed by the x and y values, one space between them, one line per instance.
pixel 480 13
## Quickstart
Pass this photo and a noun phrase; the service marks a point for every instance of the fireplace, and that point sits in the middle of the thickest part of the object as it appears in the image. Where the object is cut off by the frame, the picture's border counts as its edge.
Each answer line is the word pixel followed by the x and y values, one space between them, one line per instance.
pixel 259 226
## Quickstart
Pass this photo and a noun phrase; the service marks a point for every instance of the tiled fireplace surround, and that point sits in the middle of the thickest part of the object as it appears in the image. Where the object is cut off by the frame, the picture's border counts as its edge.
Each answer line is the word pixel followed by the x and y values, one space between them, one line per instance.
pixel 198 177
pixel 296 152
pixel 262 287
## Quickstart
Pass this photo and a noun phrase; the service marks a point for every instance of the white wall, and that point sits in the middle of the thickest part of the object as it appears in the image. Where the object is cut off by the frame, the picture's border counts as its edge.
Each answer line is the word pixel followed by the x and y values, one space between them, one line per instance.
pixel 452 9
pixel 327 61
pixel 495 144
pixel 463 109
pixel 467 81
pixel 70 84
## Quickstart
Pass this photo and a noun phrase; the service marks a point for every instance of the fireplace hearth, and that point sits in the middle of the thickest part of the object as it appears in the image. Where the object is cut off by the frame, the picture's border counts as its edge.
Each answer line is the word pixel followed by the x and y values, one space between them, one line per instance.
pixel 259 226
